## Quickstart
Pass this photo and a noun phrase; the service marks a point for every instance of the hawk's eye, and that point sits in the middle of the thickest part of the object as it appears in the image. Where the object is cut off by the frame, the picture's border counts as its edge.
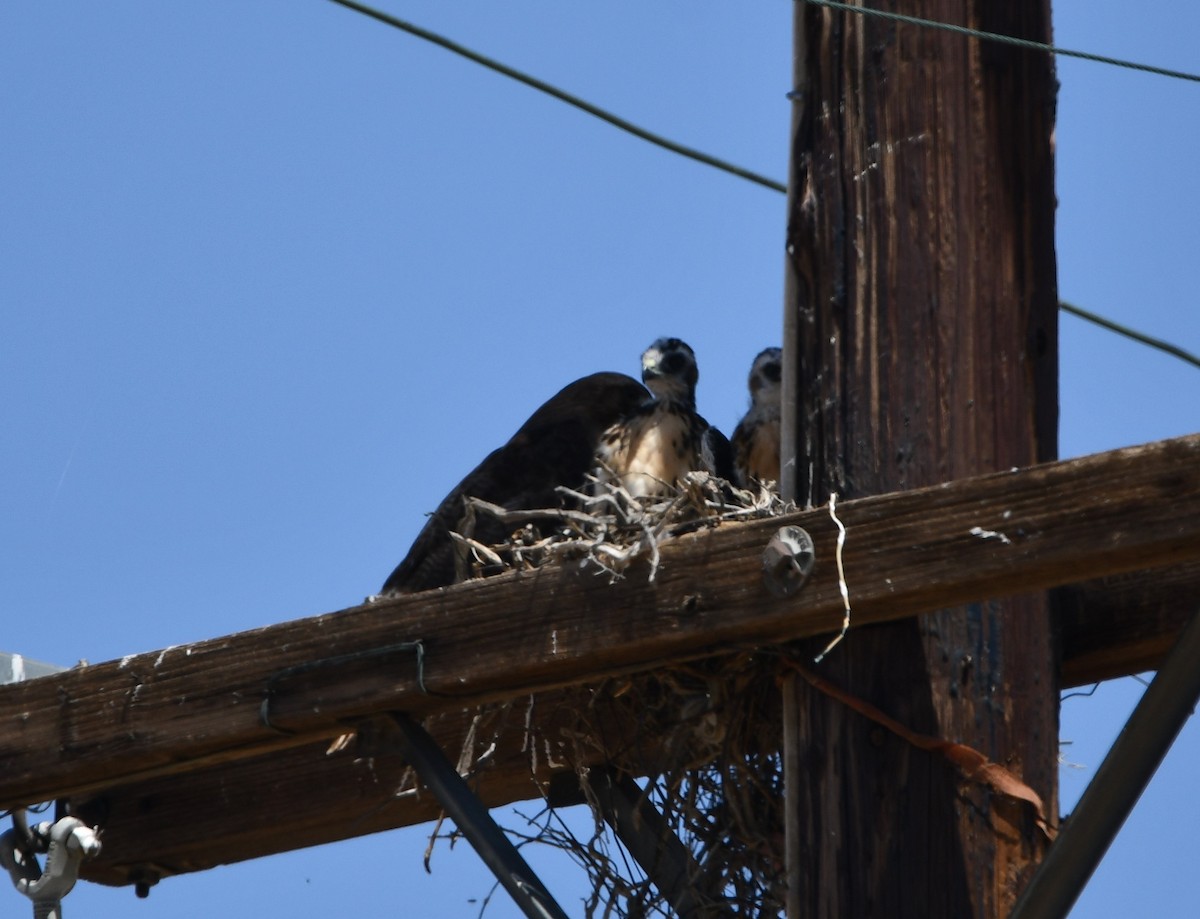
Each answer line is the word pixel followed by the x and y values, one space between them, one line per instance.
pixel 673 363
pixel 771 372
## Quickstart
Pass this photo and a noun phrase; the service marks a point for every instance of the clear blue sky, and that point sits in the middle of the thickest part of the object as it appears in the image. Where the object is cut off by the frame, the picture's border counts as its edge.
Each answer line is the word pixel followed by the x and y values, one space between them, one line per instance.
pixel 273 276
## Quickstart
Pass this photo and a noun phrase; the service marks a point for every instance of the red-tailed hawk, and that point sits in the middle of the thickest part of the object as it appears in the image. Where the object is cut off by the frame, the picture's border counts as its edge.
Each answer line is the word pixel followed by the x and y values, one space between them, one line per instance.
pixel 556 446
pixel 756 438
pixel 661 441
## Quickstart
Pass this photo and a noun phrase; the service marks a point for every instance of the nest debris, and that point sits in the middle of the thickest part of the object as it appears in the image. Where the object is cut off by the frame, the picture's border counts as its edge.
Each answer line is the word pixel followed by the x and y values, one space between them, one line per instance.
pixel 608 529
pixel 705 746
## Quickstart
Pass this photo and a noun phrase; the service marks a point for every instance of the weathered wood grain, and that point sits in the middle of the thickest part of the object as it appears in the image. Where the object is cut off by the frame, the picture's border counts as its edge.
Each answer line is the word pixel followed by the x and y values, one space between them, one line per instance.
pixel 305 796
pixel 921 236
pixel 1124 624
pixel 183 708
pixel 290 799
pixel 174 824
pixel 159 724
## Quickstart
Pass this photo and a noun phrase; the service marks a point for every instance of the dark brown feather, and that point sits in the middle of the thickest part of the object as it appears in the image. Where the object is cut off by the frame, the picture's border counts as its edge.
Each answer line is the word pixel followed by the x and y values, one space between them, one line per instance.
pixel 556 446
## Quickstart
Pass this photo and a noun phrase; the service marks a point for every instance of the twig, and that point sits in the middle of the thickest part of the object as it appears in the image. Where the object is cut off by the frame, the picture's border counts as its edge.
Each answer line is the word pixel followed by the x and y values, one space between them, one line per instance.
pixel 482 553
pixel 529 516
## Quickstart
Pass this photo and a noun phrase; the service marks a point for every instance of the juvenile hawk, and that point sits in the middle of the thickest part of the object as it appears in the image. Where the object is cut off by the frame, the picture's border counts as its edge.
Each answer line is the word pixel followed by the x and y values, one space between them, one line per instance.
pixel 662 440
pixel 756 438
pixel 556 446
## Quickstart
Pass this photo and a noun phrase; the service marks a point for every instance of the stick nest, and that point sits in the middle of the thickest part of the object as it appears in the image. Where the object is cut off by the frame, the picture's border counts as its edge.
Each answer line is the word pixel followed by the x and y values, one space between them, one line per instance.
pixel 702 739
pixel 607 529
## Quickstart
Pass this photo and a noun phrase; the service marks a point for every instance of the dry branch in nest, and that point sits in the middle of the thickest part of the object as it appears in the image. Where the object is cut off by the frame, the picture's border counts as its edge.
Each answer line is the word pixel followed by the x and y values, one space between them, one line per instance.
pixel 705 747
pixel 608 528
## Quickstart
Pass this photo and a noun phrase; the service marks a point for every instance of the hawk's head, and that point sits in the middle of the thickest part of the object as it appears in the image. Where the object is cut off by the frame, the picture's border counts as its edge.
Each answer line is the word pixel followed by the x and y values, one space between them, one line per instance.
pixel 669 370
pixel 765 375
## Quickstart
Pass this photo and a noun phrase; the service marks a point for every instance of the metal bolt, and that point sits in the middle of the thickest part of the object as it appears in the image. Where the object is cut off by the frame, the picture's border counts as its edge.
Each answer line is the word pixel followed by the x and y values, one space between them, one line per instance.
pixel 143 879
pixel 788 560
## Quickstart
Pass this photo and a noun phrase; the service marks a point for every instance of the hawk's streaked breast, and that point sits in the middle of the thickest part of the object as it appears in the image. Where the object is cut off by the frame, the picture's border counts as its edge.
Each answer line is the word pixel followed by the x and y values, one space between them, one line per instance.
pixel 656 445
pixel 652 450
pixel 756 439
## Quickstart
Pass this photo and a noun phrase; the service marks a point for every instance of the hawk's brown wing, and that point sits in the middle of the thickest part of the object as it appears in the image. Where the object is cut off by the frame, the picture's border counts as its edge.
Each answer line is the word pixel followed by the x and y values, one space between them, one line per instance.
pixel 556 446
pixel 715 452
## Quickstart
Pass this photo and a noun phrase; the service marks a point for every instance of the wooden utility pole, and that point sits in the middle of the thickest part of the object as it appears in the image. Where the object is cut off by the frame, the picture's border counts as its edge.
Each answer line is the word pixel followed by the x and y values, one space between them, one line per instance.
pixel 922 284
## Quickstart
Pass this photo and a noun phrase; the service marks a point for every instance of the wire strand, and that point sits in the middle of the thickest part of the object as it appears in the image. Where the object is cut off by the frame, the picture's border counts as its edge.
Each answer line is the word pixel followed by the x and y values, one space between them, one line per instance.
pixel 1164 346
pixel 563 96
pixel 700 157
pixel 1006 39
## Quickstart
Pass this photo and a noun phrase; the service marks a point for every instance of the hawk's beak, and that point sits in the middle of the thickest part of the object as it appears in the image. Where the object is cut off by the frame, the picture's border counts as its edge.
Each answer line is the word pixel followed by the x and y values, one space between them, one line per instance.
pixel 650 363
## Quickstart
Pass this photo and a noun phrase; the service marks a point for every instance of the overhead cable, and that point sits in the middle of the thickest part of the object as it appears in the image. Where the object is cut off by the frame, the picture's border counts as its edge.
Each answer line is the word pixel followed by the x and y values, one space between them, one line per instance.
pixel 701 157
pixel 1164 346
pixel 563 96
pixel 1006 39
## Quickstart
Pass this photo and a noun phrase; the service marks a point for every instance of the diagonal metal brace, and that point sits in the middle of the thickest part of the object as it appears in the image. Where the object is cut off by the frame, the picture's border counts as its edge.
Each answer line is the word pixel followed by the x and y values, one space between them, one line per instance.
pixel 473 819
pixel 649 839
pixel 1118 783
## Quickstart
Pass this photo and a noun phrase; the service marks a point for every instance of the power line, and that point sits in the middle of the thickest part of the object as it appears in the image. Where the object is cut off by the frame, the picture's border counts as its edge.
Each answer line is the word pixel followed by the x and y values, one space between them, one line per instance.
pixel 1165 346
pixel 660 141
pixel 1006 39
pixel 563 96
